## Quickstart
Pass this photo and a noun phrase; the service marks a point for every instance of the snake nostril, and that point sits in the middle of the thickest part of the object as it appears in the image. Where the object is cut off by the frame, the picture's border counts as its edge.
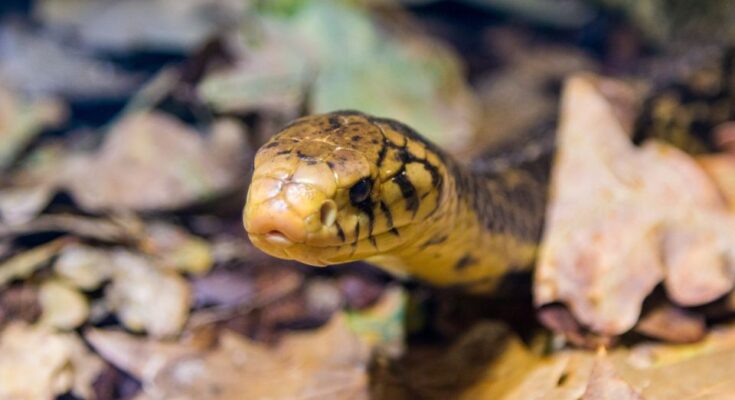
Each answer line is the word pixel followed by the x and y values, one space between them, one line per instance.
pixel 328 213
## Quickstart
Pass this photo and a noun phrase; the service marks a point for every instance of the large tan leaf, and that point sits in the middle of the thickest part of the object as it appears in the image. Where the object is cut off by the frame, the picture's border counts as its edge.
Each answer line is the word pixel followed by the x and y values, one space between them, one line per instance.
pixel 153 161
pixel 622 219
pixel 38 363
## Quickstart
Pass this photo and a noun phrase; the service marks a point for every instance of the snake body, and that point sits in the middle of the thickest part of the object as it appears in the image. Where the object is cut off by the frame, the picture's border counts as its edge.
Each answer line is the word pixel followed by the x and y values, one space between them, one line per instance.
pixel 347 186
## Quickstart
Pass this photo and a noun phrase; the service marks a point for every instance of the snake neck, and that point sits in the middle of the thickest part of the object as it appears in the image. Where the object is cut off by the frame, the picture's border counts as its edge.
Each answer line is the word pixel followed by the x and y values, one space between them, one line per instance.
pixel 487 227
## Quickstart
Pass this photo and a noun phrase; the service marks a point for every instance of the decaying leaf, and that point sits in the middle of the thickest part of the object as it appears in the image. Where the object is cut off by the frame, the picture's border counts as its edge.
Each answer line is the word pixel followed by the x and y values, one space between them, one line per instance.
pixel 605 384
pixel 673 324
pixel 721 167
pixel 19 205
pixel 383 324
pixel 152 161
pixel 22 119
pixel 142 357
pixel 326 364
pixel 273 76
pixel 84 266
pixel 19 303
pixel 24 264
pixel 326 53
pixel 38 363
pixel 622 219
pixel 146 297
pixel 63 306
pixel 134 24
pixel 175 248
pixel 44 65
pixel 123 229
pixel 489 362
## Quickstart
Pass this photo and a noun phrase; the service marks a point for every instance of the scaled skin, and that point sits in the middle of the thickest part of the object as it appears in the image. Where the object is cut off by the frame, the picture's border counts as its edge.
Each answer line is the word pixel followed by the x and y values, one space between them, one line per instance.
pixel 346 186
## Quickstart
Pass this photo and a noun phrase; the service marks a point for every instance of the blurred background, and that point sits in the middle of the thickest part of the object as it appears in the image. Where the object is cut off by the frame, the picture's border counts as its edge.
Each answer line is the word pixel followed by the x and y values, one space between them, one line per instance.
pixel 127 131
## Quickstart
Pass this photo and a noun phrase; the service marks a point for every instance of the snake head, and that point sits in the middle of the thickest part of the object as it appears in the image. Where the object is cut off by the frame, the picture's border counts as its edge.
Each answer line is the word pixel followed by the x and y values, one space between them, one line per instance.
pixel 339 187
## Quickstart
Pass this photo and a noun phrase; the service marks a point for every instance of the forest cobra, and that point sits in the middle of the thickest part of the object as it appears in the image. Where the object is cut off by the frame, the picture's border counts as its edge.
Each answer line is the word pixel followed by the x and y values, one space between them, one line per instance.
pixel 345 186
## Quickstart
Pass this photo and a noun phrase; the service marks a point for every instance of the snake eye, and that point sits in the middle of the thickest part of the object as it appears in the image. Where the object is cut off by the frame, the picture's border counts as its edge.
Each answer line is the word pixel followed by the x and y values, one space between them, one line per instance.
pixel 360 191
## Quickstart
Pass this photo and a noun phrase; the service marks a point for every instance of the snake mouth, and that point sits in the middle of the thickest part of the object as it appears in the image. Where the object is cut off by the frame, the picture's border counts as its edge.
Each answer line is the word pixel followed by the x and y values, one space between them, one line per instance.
pixel 321 254
pixel 277 238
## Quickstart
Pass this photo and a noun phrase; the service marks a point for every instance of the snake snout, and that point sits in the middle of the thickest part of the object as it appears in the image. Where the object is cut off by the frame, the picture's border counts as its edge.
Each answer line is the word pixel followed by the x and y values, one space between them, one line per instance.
pixel 284 212
pixel 275 222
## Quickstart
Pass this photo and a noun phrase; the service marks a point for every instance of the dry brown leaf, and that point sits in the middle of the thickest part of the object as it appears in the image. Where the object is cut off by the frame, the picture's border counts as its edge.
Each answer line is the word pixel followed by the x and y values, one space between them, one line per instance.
pixel 124 229
pixel 176 248
pixel 622 219
pixel 673 324
pixel 605 384
pixel 38 363
pixel 41 63
pixel 721 167
pixel 147 297
pixel 21 120
pixel 151 161
pixel 24 264
pixel 142 357
pixel 63 307
pixel 128 25
pixel 19 205
pixel 491 363
pixel 329 363
pixel 19 303
pixel 83 266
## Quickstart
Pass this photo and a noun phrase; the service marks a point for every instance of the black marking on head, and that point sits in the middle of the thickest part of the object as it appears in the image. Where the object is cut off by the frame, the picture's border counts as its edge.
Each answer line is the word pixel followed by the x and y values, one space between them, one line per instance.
pixel 304 156
pixel 334 122
pixel 464 262
pixel 340 232
pixel 408 191
pixel 367 208
pixel 409 133
pixel 436 178
pixel 271 144
pixel 330 164
pixel 356 138
pixel 388 215
pixel 282 152
pixel 434 241
pixel 382 153
pixel 357 235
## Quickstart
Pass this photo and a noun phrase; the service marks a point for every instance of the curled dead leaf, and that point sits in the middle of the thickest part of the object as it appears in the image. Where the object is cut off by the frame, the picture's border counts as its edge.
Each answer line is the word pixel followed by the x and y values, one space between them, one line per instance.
pixel 83 266
pixel 329 363
pixel 176 248
pixel 622 219
pixel 21 120
pixel 24 264
pixel 63 307
pixel 152 161
pixel 38 363
pixel 147 297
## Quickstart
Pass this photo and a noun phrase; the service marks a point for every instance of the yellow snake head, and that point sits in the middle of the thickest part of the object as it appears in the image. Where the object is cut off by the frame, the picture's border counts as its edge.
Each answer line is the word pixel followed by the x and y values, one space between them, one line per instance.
pixel 343 186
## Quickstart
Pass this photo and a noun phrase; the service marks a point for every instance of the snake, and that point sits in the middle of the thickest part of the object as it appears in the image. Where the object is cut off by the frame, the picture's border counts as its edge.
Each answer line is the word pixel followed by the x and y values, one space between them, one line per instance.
pixel 345 186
